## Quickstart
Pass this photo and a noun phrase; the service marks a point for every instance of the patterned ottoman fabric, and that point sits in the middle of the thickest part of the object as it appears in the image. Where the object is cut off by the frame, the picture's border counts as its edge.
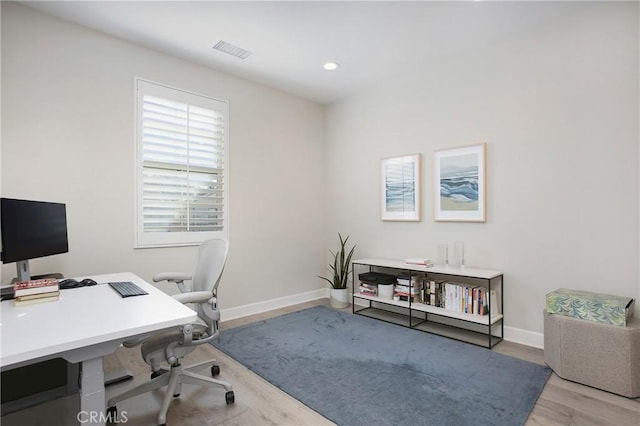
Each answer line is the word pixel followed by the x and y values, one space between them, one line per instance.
pixel 602 308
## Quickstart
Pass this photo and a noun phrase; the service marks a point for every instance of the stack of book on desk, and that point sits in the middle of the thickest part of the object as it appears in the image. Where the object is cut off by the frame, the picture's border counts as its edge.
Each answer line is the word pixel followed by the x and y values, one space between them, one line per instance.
pixel 36 291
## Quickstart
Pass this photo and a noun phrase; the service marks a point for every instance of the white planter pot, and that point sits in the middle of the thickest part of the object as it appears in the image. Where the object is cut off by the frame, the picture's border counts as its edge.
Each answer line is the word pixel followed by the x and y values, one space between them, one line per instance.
pixel 339 298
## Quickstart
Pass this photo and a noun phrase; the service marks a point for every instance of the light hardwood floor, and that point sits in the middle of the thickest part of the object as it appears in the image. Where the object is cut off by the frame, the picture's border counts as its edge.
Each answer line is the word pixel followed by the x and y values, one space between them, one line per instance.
pixel 260 403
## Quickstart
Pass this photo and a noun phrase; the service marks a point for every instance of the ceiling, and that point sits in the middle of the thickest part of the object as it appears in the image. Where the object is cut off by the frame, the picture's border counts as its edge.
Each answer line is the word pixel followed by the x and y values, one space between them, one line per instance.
pixel 290 41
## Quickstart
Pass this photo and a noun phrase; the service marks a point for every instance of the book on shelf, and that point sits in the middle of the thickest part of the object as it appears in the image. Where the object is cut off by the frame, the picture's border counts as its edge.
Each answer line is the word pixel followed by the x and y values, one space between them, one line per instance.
pixel 403 280
pixel 407 289
pixel 370 286
pixel 415 298
pixel 465 298
pixel 480 301
pixel 26 288
pixel 432 297
pixel 41 298
pixel 418 261
pixel 495 307
pixel 433 292
pixel 368 291
pixel 410 280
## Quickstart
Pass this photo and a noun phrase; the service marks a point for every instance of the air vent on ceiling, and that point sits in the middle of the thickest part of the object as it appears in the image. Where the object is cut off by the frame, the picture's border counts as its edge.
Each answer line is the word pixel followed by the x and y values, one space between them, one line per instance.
pixel 232 50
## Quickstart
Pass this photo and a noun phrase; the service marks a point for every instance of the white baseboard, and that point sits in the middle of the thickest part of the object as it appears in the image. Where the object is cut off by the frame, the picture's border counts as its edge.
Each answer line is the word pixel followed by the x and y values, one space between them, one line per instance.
pixel 268 305
pixel 511 334
pixel 524 337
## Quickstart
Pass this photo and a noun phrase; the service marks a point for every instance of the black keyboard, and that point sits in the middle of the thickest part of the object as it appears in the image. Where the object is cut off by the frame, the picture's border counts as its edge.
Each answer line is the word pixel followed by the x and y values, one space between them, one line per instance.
pixel 127 289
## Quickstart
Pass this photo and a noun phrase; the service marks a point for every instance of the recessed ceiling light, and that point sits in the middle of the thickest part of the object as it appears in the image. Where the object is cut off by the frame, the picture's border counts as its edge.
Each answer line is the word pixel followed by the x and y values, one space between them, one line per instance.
pixel 330 66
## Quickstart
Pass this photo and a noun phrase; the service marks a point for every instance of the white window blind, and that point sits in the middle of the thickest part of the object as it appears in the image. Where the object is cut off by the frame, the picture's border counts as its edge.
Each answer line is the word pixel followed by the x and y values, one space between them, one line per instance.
pixel 182 166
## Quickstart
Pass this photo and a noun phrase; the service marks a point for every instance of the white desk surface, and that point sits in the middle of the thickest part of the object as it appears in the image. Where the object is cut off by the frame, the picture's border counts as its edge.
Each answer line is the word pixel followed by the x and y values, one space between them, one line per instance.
pixel 84 317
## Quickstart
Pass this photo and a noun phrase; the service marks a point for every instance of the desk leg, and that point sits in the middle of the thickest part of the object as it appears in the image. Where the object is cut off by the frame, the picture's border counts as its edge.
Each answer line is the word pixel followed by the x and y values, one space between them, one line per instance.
pixel 92 394
pixel 73 376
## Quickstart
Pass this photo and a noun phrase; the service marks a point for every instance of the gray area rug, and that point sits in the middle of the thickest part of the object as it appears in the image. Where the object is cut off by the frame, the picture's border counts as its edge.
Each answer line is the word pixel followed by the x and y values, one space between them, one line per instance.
pixel 356 370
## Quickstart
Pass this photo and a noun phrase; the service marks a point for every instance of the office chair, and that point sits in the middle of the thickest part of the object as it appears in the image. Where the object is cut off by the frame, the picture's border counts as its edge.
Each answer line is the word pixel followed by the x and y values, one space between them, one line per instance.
pixel 171 346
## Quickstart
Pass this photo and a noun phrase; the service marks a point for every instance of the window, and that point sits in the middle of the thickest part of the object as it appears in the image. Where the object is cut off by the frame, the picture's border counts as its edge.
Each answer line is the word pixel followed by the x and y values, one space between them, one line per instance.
pixel 181 166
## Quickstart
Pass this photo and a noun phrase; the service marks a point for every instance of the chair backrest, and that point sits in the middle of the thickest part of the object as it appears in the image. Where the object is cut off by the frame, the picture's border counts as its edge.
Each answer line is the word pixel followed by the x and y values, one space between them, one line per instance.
pixel 212 257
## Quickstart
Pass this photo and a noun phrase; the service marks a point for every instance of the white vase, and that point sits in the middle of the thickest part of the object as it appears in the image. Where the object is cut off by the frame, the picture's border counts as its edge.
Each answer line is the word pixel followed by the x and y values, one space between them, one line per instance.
pixel 339 298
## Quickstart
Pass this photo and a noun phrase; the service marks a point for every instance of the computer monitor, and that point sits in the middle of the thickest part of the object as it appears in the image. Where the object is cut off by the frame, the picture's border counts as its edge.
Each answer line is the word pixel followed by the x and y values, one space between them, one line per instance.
pixel 31 229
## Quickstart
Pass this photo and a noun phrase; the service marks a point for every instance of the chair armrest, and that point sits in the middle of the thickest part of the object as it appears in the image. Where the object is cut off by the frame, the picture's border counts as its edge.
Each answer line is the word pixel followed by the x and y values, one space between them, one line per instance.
pixel 193 297
pixel 132 343
pixel 137 340
pixel 172 276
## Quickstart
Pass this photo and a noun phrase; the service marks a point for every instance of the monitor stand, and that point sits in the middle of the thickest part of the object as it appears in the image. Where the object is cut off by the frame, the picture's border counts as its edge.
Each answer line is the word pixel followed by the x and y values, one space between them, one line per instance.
pixel 22 267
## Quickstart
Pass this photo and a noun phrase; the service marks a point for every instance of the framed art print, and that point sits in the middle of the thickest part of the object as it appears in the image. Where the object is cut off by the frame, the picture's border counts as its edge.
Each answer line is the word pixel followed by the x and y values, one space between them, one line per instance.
pixel 460 181
pixel 400 187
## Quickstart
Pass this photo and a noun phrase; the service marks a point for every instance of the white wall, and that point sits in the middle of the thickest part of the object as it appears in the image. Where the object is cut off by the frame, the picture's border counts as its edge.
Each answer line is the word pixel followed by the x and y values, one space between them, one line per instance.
pixel 67 136
pixel 558 109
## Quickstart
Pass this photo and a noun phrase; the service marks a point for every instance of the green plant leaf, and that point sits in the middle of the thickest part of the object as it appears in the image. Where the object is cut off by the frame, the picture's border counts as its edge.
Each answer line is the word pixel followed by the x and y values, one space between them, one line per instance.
pixel 341 267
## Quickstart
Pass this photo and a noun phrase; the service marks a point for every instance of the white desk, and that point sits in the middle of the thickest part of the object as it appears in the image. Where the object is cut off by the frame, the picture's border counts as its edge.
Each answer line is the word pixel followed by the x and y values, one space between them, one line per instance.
pixel 83 326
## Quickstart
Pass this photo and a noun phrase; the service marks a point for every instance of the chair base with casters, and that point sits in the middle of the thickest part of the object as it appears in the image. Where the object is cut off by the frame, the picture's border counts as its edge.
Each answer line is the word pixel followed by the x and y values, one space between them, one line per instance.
pixel 173 378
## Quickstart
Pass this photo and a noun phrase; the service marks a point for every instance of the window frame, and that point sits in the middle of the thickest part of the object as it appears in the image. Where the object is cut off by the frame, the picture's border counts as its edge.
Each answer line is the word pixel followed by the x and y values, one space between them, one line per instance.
pixel 174 239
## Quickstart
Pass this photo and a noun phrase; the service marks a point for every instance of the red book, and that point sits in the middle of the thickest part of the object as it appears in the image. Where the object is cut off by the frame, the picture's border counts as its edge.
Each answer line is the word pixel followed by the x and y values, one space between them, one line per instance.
pixel 25 288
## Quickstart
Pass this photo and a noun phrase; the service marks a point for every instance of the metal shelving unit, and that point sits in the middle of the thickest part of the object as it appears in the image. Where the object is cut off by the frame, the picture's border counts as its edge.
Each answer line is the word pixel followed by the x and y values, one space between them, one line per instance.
pixel 481 330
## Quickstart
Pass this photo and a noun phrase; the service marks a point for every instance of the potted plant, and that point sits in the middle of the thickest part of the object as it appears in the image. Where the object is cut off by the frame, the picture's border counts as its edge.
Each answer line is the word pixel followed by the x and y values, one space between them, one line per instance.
pixel 341 269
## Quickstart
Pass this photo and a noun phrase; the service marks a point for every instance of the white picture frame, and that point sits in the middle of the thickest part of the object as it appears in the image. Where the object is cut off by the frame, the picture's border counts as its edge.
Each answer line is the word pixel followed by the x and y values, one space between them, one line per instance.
pixel 460 184
pixel 400 188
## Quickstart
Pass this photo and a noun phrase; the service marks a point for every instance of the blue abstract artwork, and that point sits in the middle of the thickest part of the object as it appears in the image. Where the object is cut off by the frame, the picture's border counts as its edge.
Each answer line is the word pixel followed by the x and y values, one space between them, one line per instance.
pixel 459 182
pixel 401 188
pixel 460 193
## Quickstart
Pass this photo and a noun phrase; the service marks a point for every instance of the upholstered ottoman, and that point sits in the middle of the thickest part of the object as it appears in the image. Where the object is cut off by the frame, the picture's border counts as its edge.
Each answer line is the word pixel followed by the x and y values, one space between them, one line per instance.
pixel 600 355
